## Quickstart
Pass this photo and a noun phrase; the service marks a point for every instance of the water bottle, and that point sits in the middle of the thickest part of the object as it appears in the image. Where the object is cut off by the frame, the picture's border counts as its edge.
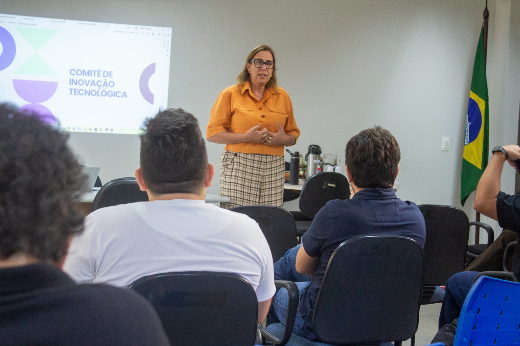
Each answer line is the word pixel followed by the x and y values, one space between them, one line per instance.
pixel 295 168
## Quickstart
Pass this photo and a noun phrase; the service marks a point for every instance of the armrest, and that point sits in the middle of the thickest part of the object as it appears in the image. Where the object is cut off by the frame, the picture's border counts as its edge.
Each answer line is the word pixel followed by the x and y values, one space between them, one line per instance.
pixel 294 300
pixel 499 275
pixel 508 252
pixel 487 228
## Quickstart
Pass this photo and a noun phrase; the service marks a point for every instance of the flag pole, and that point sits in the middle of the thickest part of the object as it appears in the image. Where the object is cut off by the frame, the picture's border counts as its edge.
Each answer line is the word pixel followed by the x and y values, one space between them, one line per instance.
pixel 486 20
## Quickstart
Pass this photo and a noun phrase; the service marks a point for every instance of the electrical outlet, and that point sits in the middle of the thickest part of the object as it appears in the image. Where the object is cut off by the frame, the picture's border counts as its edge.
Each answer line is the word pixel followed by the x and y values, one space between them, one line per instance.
pixel 445 145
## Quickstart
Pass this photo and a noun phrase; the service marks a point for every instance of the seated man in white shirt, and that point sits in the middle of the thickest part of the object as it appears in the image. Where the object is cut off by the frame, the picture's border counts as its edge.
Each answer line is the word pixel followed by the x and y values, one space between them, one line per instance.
pixel 176 230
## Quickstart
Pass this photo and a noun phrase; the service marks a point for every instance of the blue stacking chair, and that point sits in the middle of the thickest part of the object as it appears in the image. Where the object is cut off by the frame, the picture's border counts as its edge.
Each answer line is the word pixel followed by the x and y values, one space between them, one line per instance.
pixel 490 314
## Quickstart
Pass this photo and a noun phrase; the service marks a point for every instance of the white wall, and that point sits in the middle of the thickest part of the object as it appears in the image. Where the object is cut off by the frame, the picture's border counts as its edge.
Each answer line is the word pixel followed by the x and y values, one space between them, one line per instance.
pixel 347 64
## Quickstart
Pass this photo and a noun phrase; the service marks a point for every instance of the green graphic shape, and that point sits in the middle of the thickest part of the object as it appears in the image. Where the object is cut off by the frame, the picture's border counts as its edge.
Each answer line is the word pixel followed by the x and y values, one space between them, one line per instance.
pixel 35 66
pixel 37 38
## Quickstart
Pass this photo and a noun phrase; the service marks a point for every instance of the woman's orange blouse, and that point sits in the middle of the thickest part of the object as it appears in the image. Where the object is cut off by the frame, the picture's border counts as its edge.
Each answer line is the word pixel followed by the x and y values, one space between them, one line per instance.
pixel 237 110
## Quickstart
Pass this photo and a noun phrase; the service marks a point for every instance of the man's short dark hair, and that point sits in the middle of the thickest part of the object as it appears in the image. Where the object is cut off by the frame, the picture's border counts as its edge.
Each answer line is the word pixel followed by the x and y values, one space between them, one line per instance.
pixel 372 157
pixel 40 183
pixel 173 153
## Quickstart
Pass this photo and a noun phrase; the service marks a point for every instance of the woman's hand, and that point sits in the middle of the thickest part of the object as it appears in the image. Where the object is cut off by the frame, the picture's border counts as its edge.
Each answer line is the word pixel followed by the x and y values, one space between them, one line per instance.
pixel 254 135
pixel 279 138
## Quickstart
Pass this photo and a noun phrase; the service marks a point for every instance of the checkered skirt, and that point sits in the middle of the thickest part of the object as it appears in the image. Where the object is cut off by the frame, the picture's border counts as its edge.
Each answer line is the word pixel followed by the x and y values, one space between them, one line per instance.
pixel 251 179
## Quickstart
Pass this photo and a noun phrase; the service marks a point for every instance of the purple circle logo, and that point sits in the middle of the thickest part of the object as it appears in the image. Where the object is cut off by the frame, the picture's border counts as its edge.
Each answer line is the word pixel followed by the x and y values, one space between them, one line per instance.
pixel 143 83
pixel 8 49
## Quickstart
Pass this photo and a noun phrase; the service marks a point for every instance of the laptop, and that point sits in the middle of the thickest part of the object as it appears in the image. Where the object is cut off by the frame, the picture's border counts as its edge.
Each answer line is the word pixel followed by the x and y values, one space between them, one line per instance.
pixel 92 174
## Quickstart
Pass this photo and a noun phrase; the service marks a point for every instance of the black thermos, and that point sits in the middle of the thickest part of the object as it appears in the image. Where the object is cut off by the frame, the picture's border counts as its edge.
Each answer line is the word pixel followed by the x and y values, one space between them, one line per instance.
pixel 295 168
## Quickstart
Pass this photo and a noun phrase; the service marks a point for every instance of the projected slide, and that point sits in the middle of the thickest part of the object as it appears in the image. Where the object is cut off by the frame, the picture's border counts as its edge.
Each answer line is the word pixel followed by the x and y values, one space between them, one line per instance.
pixel 92 77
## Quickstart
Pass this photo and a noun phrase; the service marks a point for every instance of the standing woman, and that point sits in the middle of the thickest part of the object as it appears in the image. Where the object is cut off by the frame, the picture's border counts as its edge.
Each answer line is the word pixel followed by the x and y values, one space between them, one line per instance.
pixel 255 120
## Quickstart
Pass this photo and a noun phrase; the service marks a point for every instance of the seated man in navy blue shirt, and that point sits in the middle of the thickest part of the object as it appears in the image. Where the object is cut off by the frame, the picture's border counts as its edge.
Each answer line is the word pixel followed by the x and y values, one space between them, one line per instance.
pixel 372 163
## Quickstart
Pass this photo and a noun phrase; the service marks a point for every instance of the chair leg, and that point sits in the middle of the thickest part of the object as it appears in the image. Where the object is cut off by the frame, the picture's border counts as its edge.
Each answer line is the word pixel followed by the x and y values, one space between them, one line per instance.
pixel 259 339
pixel 412 341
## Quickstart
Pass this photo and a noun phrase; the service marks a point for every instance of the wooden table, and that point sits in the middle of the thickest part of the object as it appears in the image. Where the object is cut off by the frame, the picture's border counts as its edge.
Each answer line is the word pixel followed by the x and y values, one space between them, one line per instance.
pixel 292 187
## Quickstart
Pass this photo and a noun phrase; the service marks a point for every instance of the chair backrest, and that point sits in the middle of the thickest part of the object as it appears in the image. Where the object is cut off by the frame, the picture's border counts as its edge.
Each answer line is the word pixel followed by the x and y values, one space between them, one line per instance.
pixel 321 188
pixel 447 233
pixel 118 191
pixel 276 223
pixel 202 308
pixel 490 314
pixel 371 291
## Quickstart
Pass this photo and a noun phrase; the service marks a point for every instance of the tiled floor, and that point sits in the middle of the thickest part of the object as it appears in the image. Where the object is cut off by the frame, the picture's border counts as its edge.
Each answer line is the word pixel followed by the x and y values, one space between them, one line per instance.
pixel 428 321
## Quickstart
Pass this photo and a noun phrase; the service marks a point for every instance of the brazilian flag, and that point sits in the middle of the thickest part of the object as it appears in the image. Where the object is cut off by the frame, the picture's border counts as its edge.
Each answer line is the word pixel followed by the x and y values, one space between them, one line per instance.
pixel 476 136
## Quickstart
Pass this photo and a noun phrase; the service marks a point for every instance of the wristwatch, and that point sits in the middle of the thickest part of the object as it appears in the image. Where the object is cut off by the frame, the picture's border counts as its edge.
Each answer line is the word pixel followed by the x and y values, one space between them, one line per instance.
pixel 501 149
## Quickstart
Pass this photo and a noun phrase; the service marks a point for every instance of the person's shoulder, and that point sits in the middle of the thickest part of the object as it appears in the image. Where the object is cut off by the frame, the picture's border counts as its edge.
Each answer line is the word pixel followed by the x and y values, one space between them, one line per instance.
pixel 409 203
pixel 108 220
pixel 507 202
pixel 409 206
pixel 334 208
pixel 229 217
pixel 114 211
pixel 336 203
pixel 280 91
pixel 411 211
pixel 239 219
pixel 243 228
pixel 232 89
pixel 504 196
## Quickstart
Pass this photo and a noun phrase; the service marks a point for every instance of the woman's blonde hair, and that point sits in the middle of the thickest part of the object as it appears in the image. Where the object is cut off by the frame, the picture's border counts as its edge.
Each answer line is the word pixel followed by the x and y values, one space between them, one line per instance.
pixel 244 75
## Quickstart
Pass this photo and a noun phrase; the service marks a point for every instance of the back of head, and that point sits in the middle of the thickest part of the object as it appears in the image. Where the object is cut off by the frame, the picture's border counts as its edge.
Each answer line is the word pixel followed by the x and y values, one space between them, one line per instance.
pixel 40 182
pixel 372 157
pixel 173 153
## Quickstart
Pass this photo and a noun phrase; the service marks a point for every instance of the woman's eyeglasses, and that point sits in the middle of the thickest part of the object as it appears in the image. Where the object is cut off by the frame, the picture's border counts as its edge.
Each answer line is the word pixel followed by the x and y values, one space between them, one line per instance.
pixel 259 63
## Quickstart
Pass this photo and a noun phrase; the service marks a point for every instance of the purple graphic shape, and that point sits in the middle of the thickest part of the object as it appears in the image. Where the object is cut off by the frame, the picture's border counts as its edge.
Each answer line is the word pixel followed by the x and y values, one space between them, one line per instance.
pixel 41 111
pixel 143 83
pixel 34 91
pixel 8 49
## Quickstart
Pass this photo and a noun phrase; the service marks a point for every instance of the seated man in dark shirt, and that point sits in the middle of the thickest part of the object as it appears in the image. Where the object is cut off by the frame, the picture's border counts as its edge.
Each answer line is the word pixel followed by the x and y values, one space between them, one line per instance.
pixel 372 163
pixel 40 182
pixel 497 205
